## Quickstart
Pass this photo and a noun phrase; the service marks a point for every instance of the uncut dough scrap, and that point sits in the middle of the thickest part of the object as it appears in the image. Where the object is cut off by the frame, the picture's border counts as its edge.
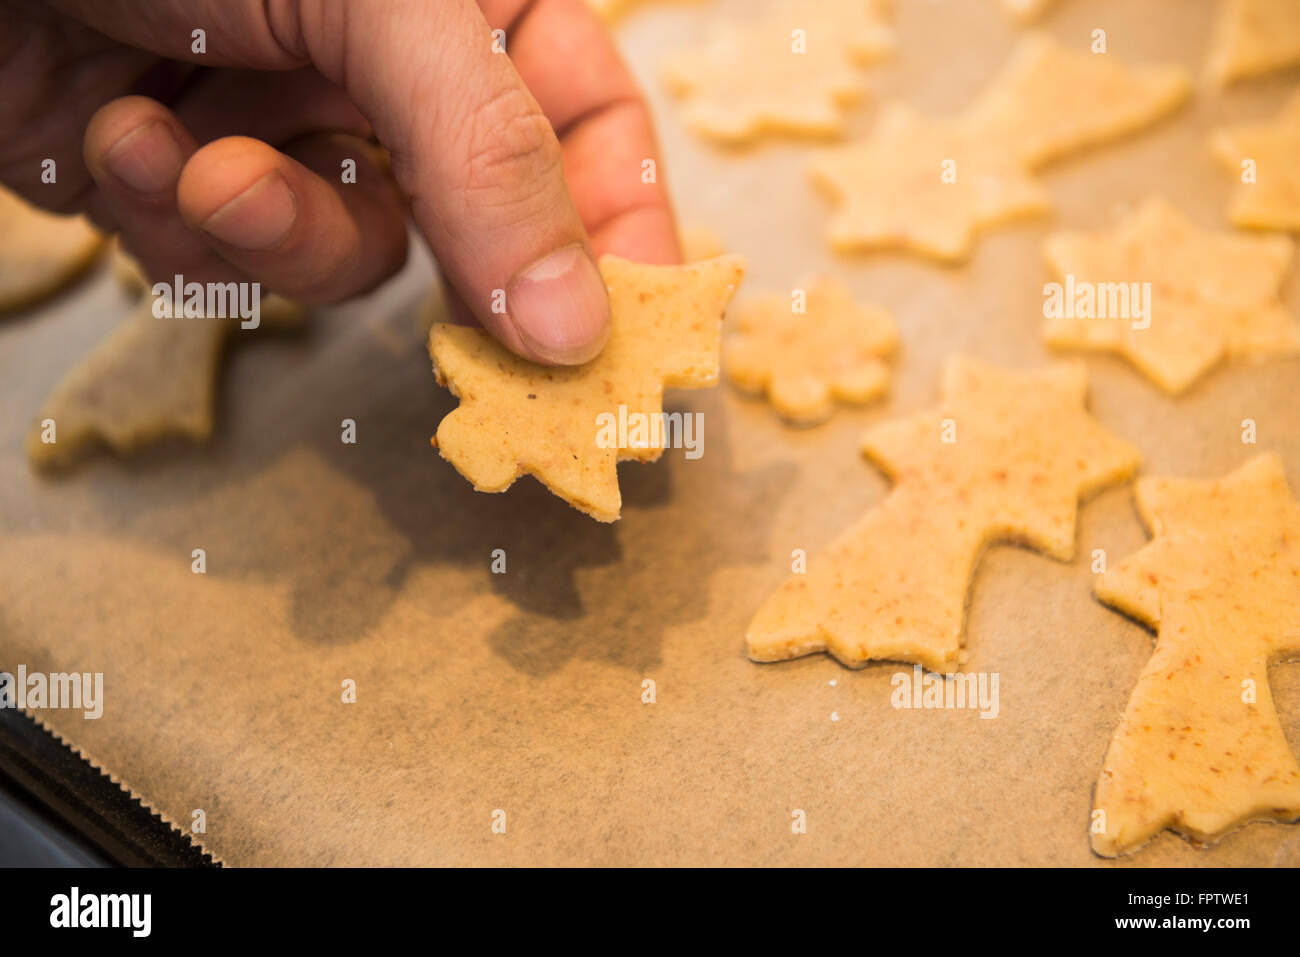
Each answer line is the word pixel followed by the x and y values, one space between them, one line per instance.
pixel 803 362
pixel 1199 748
pixel 1214 295
pixel 39 251
pixel 1023 450
pixel 516 416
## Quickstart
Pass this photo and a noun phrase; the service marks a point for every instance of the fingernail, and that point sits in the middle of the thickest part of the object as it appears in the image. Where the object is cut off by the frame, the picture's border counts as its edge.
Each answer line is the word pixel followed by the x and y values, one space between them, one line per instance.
pixel 257 218
pixel 146 160
pixel 560 307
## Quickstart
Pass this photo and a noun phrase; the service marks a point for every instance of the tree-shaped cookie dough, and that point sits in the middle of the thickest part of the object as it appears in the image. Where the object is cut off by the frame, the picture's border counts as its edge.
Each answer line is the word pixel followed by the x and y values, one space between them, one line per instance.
pixel 1048 102
pixel 929 185
pixel 39 251
pixel 570 426
pixel 1266 159
pixel 151 378
pixel 790 71
pixel 808 349
pixel 1212 296
pixel 1254 37
pixel 1005 458
pixel 1200 749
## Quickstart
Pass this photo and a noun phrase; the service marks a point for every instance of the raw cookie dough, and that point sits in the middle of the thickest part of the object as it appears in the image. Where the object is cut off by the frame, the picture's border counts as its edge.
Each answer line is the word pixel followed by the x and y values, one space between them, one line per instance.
pixel 151 378
pixel 890 192
pixel 699 242
pixel 277 311
pixel 929 185
pixel 1272 199
pixel 1048 102
pixel 39 251
pixel 805 361
pixel 1026 10
pixel 791 71
pixel 1200 749
pixel 1213 295
pixel 554 422
pixel 611 10
pixel 1254 37
pixel 1004 459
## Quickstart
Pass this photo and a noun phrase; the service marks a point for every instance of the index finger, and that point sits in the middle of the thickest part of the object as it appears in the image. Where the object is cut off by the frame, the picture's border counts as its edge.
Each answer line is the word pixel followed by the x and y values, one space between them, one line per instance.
pixel 570 64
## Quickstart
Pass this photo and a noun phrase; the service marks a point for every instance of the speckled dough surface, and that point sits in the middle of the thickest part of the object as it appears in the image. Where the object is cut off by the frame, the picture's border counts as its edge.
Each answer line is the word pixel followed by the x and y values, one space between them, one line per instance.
pixel 1200 748
pixel 516 416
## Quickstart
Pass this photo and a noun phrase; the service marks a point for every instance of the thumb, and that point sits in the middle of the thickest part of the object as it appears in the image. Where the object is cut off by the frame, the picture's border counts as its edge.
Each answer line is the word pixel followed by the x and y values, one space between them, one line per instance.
pixel 481 163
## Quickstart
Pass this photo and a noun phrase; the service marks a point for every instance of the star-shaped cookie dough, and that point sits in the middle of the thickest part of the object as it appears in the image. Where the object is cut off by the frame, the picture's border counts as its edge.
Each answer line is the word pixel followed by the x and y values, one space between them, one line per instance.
pixel 790 72
pixel 1004 459
pixel 570 426
pixel 1254 37
pixel 927 186
pixel 1200 748
pixel 1213 296
pixel 805 361
pixel 1271 200
pixel 40 252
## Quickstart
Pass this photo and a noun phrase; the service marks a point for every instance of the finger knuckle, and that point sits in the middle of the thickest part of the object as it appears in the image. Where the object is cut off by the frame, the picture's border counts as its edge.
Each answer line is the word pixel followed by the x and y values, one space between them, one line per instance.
pixel 513 151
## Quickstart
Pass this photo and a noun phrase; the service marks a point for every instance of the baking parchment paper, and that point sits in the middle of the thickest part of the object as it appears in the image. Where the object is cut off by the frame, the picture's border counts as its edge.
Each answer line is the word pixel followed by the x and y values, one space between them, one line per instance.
pixel 523 692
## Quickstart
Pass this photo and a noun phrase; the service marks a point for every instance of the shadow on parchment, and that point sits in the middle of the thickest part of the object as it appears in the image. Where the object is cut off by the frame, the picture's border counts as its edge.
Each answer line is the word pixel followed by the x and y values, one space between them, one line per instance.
pixel 277 497
pixel 671 548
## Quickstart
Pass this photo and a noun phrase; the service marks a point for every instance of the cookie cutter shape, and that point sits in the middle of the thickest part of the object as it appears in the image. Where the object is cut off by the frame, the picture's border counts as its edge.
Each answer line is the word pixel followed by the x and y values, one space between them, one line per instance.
pixel 1271 199
pixel 552 422
pixel 1252 38
pixel 1005 458
pixel 1212 295
pixel 40 252
pixel 1200 749
pixel 835 349
pixel 791 71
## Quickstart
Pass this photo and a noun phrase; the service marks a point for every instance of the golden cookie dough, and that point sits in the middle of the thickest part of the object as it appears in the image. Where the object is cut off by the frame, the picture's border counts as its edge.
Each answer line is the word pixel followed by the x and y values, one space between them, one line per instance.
pixel 1254 37
pixel 924 186
pixel 1199 748
pixel 699 242
pixel 1272 199
pixel 1005 458
pixel 1026 10
pixel 930 185
pixel 751 79
pixel 1213 296
pixel 835 349
pixel 1048 102
pixel 40 252
pixel 611 10
pixel 151 378
pixel 553 422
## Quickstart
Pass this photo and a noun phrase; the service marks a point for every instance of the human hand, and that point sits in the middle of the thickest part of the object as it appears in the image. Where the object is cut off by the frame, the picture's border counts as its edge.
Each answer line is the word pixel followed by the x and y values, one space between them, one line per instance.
pixel 226 164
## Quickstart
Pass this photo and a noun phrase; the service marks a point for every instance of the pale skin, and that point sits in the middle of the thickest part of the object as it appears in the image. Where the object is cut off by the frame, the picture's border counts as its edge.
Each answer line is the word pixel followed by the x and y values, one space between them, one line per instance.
pixel 520 170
